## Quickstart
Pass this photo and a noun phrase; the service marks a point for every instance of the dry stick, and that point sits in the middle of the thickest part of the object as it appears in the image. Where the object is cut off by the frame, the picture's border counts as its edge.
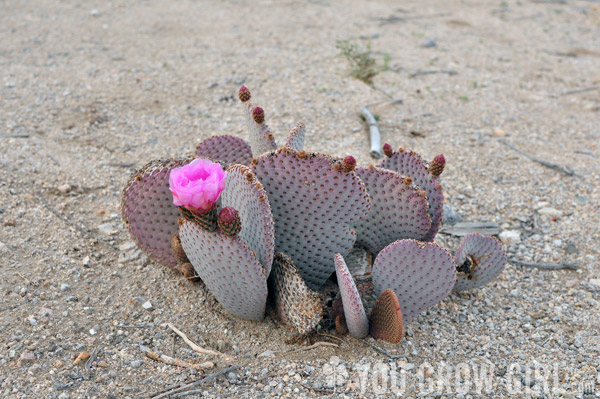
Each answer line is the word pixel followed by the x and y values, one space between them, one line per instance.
pixel 547 266
pixel 420 72
pixel 193 384
pixel 88 363
pixel 541 161
pixel 375 138
pixel 313 346
pixel 578 91
pixel 70 222
pixel 381 350
pixel 173 361
pixel 191 344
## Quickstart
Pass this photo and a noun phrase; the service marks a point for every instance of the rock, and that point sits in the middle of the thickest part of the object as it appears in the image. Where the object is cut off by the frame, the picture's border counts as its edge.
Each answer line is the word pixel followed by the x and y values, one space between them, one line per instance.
pixel 27 357
pixel 451 217
pixel 136 364
pixel 499 132
pixel 64 188
pixel 571 248
pixel 107 229
pixel 595 282
pixel 65 287
pixel 429 43
pixel 510 236
pixel 92 331
pixel 82 357
pixel 86 261
pixel 32 320
pixel 549 211
pixel 72 298
pixel 267 353
pixel 147 305
pixel 3 248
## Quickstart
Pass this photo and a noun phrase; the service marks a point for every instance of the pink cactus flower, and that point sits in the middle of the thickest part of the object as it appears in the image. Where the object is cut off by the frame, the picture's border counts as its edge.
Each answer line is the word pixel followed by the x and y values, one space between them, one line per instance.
pixel 197 185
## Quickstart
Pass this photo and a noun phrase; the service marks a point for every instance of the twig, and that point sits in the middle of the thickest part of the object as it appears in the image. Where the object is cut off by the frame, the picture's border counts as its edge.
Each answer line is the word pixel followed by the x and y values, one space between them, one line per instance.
pixel 14 136
pixel 547 266
pixel 191 344
pixel 448 72
pixel 375 138
pixel 332 337
pixel 88 363
pixel 121 164
pixel 313 346
pixel 578 91
pixel 381 350
pixel 173 361
pixel 541 161
pixel 192 384
pixel 76 225
pixel 146 325
pixel 461 229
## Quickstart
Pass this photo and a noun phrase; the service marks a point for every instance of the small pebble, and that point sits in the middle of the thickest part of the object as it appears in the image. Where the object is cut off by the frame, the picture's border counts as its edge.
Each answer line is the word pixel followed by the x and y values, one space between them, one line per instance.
pixel 147 305
pixel 64 188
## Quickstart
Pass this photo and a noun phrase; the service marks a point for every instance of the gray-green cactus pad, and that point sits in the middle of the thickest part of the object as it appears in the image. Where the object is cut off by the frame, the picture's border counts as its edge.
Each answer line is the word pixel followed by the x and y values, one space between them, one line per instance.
pixel 398 210
pixel 148 211
pixel 246 194
pixel 229 269
pixel 313 205
pixel 485 258
pixel 420 273
pixel 230 150
pixel 354 311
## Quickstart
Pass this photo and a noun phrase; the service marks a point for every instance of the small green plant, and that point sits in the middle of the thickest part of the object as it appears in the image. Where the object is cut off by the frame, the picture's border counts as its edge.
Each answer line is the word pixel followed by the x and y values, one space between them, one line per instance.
pixel 362 64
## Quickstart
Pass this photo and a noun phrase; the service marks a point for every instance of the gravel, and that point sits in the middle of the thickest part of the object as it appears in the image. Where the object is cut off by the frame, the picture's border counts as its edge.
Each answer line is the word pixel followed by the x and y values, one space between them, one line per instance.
pixel 90 91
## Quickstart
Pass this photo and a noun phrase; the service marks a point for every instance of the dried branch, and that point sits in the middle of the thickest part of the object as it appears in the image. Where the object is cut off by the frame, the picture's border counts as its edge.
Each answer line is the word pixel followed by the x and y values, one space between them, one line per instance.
pixel 191 344
pixel 192 384
pixel 578 91
pixel 313 346
pixel 547 266
pixel 541 161
pixel 381 350
pixel 420 72
pixel 375 137
pixel 173 361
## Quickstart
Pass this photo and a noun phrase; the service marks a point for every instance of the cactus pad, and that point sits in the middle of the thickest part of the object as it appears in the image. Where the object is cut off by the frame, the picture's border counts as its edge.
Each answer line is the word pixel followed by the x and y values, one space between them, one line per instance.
pixel 148 211
pixel 246 194
pixel 295 139
pixel 386 318
pixel 354 311
pixel 229 268
pixel 296 304
pixel 420 273
pixel 230 150
pixel 260 137
pixel 409 163
pixel 313 205
pixel 479 260
pixel 398 210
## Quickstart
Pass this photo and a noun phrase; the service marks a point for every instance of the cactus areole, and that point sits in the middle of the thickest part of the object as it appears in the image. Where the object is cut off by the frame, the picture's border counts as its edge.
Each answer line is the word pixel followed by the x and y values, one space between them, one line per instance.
pixel 256 222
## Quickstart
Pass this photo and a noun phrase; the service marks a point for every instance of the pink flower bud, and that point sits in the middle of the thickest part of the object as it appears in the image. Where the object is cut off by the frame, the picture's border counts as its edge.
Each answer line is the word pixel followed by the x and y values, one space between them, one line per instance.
pixel 197 185
pixel 258 114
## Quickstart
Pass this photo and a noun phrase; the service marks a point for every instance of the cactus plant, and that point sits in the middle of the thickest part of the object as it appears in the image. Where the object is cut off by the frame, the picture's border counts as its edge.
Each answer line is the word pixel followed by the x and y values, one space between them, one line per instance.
pixel 410 164
pixel 479 260
pixel 281 220
pixel 354 311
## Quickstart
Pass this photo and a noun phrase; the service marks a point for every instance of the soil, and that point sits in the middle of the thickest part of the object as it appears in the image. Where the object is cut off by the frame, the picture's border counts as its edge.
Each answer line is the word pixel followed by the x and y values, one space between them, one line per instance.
pixel 90 91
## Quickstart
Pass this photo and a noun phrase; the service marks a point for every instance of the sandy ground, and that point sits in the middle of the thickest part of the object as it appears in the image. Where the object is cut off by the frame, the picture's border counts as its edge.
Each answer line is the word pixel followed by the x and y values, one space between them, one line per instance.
pixel 91 90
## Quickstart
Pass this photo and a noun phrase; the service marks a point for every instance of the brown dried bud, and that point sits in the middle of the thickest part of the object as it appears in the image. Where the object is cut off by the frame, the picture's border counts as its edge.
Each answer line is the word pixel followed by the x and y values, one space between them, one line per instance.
pixel 258 114
pixel 302 154
pixel 340 325
pixel 387 150
pixel 408 180
pixel 436 167
pixel 349 164
pixel 244 94
pixel 178 249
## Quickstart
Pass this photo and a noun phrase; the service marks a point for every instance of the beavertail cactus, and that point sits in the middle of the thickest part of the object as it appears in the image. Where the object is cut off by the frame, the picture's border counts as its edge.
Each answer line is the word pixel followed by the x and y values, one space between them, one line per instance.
pixel 296 304
pixel 409 164
pixel 385 321
pixel 148 211
pixel 479 260
pixel 398 210
pixel 230 150
pixel 313 205
pixel 251 219
pixel 295 139
pixel 420 273
pixel 229 268
pixel 354 312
